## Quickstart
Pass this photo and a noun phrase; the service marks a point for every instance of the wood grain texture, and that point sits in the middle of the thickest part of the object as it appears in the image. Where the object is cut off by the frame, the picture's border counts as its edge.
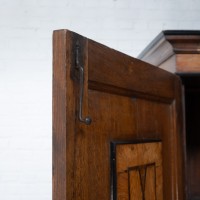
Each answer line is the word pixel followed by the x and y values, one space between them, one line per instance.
pixel 143 186
pixel 188 63
pixel 128 100
pixel 139 171
pixel 143 164
pixel 59 115
pixel 135 186
pixel 152 187
pixel 110 65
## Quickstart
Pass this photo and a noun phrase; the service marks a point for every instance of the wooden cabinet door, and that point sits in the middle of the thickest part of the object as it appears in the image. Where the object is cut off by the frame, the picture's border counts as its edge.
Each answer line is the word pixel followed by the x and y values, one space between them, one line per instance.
pixel 132 149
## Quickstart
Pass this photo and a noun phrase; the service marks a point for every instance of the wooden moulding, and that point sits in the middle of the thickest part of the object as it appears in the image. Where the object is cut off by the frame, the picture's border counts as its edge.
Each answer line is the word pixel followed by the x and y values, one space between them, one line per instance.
pixel 172 49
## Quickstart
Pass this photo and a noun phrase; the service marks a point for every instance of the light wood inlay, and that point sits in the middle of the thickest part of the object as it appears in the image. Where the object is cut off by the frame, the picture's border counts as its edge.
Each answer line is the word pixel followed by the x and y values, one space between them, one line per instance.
pixel 139 171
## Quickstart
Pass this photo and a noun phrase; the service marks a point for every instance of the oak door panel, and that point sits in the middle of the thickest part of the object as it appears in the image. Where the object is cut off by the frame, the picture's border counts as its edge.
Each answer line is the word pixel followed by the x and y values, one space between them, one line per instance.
pixel 128 100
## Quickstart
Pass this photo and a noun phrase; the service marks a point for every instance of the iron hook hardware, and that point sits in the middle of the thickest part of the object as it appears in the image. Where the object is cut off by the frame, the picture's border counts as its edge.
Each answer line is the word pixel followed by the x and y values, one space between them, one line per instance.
pixel 87 120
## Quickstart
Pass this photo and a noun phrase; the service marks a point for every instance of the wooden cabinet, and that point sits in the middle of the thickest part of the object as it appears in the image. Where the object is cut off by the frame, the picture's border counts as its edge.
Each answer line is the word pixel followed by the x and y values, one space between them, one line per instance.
pixel 179 52
pixel 117 125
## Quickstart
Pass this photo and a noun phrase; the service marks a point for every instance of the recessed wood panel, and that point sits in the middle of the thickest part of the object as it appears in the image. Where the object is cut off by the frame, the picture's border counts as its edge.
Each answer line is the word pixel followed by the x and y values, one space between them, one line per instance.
pixel 117 117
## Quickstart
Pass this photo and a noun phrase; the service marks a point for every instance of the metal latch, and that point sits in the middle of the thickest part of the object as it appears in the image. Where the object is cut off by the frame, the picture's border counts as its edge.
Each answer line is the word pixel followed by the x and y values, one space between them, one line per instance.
pixel 87 120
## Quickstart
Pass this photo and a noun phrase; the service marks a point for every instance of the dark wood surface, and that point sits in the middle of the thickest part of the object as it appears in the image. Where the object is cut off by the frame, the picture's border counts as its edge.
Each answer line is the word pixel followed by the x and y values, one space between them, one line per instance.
pixel 128 100
pixel 192 99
